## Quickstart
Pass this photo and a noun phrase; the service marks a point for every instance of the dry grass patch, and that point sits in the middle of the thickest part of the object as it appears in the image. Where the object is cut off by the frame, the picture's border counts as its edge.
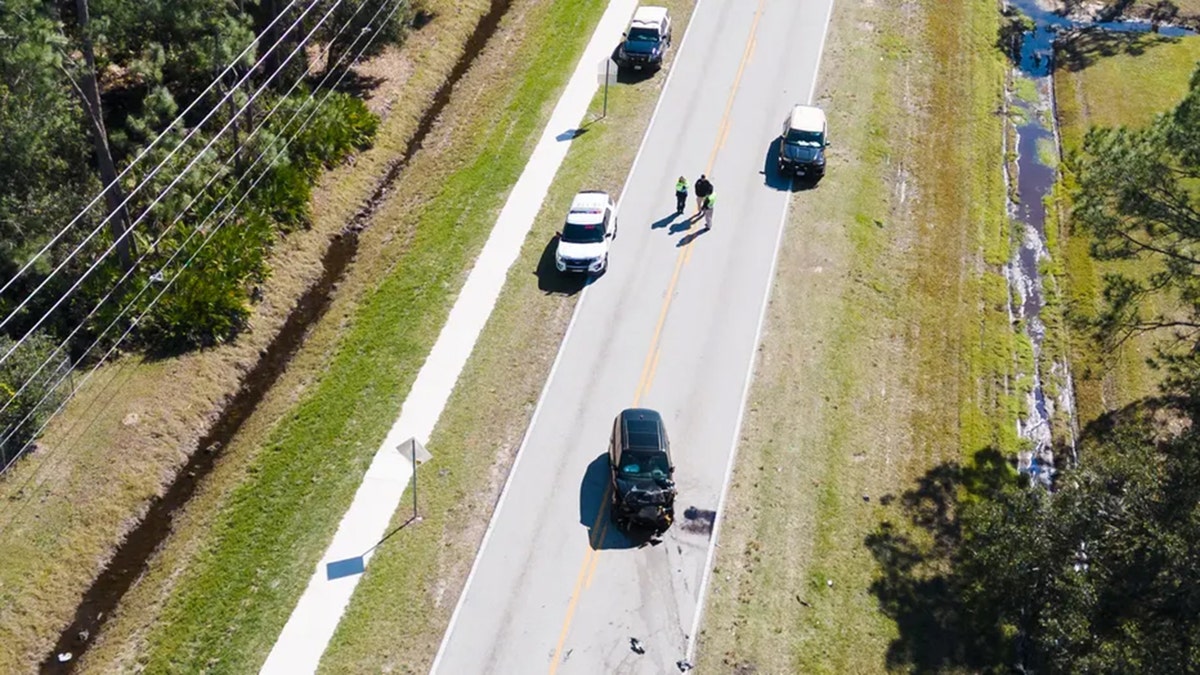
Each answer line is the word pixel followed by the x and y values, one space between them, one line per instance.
pixel 884 350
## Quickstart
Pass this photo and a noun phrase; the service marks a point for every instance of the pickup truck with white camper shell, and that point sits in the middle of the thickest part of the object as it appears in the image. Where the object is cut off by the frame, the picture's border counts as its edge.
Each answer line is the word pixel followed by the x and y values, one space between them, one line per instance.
pixel 802 143
pixel 644 45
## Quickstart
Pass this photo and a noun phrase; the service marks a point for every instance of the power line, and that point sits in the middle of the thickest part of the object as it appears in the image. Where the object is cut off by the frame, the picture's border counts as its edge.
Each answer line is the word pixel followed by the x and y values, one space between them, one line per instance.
pixel 187 169
pixel 199 194
pixel 95 200
pixel 166 286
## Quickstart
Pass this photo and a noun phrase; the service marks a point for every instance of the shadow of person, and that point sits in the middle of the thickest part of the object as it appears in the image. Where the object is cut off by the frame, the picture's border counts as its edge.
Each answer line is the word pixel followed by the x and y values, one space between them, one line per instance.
pixel 684 241
pixel 683 226
pixel 664 221
pixel 553 282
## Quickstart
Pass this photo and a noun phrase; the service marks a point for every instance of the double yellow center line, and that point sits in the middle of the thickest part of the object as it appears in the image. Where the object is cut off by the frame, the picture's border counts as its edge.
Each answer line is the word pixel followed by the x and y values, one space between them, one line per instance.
pixel 650 366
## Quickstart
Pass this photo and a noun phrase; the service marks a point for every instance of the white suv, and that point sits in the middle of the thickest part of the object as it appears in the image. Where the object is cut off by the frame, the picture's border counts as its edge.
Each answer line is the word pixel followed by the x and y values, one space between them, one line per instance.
pixel 590 228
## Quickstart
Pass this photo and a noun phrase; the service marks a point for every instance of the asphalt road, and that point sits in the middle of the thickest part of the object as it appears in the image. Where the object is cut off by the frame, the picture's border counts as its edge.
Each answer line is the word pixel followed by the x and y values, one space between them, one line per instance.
pixel 673 325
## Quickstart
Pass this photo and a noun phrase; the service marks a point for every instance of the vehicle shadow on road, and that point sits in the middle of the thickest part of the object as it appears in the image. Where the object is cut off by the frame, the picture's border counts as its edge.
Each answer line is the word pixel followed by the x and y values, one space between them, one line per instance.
pixel 553 282
pixel 777 180
pixel 594 510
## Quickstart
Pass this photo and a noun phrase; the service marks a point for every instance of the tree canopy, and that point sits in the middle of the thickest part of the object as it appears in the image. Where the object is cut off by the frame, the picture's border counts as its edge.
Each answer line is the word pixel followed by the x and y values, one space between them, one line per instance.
pixel 86 86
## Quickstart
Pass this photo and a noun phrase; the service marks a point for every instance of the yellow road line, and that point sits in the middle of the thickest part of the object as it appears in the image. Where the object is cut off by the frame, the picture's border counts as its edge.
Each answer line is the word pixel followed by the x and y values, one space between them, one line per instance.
pixel 587 568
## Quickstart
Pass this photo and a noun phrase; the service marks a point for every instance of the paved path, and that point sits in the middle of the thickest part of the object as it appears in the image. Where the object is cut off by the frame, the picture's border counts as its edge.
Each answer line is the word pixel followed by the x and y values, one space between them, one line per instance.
pixel 673 325
pixel 314 619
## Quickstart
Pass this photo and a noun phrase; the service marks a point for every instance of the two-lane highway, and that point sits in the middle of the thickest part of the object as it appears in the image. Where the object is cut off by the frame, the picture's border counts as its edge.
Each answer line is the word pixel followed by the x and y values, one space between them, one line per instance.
pixel 673 325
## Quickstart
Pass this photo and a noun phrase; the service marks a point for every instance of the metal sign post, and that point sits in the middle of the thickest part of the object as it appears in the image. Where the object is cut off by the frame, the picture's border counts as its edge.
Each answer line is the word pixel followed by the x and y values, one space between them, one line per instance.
pixel 607 75
pixel 606 62
pixel 418 455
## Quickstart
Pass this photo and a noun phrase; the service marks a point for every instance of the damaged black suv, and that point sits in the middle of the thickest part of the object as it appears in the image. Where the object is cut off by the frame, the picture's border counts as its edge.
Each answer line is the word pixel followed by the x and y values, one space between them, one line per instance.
pixel 639 454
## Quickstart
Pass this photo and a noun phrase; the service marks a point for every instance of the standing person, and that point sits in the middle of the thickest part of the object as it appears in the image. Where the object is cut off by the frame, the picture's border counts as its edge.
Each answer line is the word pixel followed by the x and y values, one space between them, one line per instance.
pixel 703 189
pixel 681 190
pixel 710 200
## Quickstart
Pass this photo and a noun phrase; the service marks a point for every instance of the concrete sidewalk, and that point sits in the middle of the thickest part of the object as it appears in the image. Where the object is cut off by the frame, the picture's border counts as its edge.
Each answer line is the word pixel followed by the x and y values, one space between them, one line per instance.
pixel 316 616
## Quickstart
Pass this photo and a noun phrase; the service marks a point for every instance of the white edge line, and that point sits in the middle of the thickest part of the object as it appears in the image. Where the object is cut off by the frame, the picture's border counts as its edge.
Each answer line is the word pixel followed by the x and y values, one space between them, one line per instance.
pixel 820 54
pixel 737 431
pixel 487 535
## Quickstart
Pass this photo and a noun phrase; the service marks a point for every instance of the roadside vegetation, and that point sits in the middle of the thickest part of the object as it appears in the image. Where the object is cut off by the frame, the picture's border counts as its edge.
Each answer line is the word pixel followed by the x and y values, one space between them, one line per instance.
pixel 887 348
pixel 135 422
pixel 1147 76
pixel 88 88
pixel 294 479
pixel 893 534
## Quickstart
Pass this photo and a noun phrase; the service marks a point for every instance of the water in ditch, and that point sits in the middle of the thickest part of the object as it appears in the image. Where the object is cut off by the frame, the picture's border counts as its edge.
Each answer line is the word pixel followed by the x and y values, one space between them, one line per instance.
pixel 1033 173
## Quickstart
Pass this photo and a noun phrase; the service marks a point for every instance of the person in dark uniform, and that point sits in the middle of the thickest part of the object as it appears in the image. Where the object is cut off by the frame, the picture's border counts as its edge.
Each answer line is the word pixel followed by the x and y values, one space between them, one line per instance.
pixel 703 189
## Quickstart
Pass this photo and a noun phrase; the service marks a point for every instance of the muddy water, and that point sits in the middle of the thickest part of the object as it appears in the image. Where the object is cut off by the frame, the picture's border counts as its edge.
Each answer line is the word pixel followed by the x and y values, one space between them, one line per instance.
pixel 1037 142
pixel 133 555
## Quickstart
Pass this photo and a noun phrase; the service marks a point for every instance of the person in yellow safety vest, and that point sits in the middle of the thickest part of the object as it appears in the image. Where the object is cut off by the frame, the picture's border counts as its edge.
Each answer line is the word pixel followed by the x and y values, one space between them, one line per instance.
pixel 709 202
pixel 681 192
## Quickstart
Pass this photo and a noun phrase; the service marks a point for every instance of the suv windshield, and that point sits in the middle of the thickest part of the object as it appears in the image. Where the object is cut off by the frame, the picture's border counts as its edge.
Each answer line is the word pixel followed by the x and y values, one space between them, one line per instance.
pixel 636 464
pixel 583 234
pixel 643 35
pixel 798 137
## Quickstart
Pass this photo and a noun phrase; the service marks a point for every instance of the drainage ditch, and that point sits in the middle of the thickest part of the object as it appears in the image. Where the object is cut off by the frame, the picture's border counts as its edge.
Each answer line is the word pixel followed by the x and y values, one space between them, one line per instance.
pixel 1045 380
pixel 133 555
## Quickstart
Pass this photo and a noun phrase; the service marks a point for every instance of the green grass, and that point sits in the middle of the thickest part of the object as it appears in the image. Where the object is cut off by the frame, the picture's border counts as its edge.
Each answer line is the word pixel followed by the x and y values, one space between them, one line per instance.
pixel 401 607
pixel 1124 89
pixel 231 603
pixel 1121 89
pixel 885 348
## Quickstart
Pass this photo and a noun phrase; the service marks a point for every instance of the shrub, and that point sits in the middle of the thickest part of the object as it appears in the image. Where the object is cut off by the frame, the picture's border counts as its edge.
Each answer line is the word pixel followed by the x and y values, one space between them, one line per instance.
pixel 29 396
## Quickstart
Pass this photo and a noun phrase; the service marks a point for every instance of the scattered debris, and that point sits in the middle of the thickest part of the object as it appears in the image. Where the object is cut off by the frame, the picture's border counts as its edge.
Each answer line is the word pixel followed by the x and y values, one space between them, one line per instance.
pixel 636 646
pixel 829 583
pixel 684 665
pixel 802 601
pixel 64 657
pixel 866 497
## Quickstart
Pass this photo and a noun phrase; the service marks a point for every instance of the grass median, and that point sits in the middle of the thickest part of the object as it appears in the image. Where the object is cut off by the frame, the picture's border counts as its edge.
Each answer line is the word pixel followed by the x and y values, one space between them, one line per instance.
pixel 223 609
pixel 886 347
pixel 1133 79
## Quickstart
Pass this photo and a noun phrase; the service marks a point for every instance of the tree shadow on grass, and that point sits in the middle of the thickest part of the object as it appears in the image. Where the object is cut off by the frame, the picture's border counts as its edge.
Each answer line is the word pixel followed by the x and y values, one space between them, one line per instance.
pixel 1081 49
pixel 917 584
